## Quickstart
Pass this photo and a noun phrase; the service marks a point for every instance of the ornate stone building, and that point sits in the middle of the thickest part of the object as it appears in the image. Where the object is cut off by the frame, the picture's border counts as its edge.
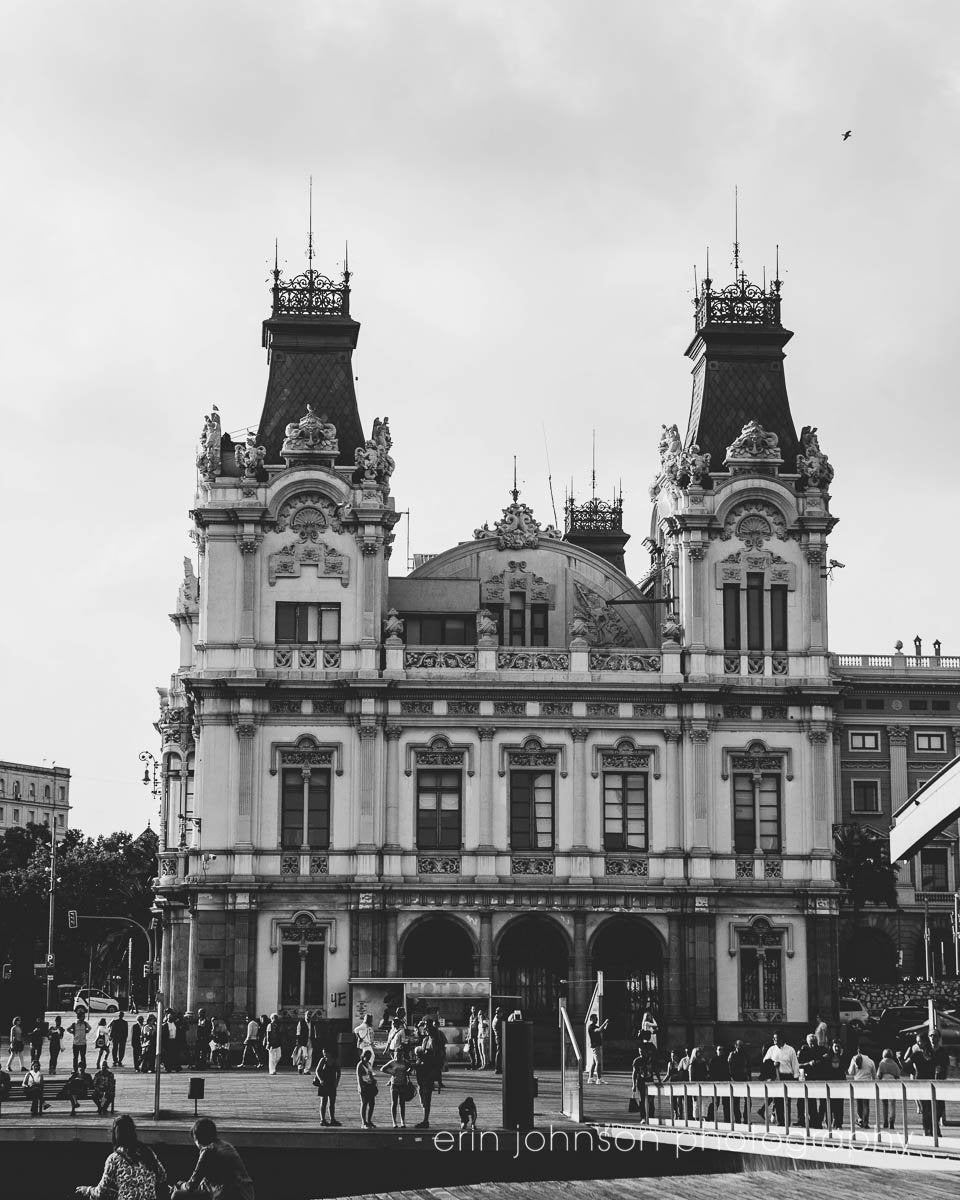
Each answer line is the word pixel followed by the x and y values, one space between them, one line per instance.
pixel 516 763
pixel 31 795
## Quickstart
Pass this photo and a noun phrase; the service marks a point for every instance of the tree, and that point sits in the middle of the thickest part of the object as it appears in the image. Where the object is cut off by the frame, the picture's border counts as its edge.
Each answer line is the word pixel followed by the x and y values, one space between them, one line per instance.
pixel 864 871
pixel 99 877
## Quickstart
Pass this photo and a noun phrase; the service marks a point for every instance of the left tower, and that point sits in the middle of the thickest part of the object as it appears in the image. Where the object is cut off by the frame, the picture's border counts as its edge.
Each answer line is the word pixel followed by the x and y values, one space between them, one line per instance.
pixel 268 726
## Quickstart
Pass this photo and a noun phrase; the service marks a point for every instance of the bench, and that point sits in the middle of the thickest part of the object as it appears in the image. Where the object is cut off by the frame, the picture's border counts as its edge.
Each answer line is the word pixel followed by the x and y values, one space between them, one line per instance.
pixel 17 1096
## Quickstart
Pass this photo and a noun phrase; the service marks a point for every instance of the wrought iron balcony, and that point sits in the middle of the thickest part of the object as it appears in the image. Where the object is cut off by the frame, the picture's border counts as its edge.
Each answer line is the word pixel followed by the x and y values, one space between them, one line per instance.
pixel 311 295
pixel 739 303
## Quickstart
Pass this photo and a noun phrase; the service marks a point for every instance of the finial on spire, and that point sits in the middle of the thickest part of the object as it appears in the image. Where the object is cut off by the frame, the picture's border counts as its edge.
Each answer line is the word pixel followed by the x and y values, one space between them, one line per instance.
pixel 736 230
pixel 593 468
pixel 515 492
pixel 707 281
pixel 310 225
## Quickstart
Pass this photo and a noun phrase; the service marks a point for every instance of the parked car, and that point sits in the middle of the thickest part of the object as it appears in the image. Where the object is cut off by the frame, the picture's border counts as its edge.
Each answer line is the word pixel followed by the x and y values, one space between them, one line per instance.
pixel 949 1028
pixel 94 1000
pixel 898 1027
pixel 853 1012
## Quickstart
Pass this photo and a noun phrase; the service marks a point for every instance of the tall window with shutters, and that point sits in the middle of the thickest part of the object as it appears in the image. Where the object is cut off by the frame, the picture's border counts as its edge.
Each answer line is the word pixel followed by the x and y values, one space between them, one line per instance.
pixel 305 808
pixel 438 809
pixel 531 810
pixel 756 812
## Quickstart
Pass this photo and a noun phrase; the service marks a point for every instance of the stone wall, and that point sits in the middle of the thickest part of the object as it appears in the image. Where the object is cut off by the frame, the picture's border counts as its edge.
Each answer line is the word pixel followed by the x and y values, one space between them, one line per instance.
pixel 878 996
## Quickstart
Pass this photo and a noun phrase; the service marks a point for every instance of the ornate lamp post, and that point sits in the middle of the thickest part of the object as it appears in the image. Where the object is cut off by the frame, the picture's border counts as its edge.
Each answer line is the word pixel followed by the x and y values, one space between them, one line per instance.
pixel 151 779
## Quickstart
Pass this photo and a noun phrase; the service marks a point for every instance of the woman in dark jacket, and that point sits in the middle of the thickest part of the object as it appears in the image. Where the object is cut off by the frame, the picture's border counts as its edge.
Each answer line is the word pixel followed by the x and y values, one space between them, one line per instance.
pixel 833 1068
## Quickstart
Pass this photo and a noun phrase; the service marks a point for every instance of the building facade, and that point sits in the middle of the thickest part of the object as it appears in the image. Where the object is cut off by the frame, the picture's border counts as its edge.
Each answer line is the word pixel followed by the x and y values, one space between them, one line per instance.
pixel 516 763
pixel 32 795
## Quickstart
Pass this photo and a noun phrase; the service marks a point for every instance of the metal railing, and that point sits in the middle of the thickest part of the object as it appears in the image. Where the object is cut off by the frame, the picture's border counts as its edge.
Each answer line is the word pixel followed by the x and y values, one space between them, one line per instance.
pixel 571 1069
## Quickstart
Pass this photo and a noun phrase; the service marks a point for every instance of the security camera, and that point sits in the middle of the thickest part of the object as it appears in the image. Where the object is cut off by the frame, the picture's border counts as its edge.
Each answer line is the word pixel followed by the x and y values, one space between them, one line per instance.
pixel 209 858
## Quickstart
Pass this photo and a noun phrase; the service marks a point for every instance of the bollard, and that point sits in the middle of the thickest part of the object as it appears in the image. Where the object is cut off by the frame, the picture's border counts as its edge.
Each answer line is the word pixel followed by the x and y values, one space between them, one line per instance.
pixel 518 1081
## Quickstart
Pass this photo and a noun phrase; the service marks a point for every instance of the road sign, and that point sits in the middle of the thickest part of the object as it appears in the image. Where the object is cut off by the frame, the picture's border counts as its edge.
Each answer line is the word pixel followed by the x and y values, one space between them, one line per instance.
pixel 51 961
pixel 71 918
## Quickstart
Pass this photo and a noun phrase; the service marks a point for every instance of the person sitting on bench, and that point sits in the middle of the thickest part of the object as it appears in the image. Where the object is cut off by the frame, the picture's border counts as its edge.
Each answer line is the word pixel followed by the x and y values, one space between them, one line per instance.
pixel 104 1090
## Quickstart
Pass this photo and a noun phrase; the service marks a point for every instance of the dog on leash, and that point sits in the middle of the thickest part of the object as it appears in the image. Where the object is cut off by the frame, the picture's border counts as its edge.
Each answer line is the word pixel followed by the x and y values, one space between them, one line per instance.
pixel 468 1114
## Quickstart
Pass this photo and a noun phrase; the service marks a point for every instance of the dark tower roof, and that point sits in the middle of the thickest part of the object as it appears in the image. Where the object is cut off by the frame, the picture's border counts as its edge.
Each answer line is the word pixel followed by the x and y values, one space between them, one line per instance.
pixel 737 355
pixel 598 526
pixel 310 338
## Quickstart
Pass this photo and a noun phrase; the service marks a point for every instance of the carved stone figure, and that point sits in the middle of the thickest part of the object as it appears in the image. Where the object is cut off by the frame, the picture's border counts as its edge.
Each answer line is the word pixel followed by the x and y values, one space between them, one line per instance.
pixel 693 468
pixel 208 458
pixel 486 624
pixel 250 457
pixel 670 445
pixel 188 597
pixel 393 625
pixel 754 442
pixel 670 629
pixel 813 466
pixel 311 435
pixel 517 529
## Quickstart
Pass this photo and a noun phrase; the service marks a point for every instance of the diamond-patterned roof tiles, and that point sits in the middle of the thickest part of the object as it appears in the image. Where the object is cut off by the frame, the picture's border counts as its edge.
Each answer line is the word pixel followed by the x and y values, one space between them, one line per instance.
pixel 321 378
pixel 728 394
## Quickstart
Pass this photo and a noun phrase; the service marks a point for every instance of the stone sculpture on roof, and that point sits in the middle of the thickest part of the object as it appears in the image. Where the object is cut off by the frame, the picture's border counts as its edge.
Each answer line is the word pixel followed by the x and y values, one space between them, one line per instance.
pixel 311 436
pixel 208 458
pixel 517 529
pixel 250 458
pixel 754 442
pixel 813 466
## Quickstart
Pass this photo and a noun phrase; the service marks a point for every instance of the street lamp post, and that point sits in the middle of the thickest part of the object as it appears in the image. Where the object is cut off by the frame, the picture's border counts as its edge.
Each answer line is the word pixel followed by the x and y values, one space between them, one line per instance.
pixel 52 907
pixel 151 779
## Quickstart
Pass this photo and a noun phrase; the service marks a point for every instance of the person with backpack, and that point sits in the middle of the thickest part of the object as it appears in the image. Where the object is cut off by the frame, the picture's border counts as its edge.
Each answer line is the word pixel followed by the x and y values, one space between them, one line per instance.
pixel 132 1170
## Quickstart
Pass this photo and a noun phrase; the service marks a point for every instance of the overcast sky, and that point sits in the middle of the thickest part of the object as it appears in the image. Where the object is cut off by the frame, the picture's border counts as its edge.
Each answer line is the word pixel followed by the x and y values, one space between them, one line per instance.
pixel 525 187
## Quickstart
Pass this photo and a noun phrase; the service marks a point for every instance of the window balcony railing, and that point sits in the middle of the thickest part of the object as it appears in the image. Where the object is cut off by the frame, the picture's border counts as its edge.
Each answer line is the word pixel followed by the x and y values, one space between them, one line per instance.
pixel 897 662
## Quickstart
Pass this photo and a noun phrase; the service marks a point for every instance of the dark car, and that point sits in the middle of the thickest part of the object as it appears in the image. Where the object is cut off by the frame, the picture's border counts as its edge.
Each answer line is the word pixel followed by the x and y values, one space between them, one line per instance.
pixel 896 1028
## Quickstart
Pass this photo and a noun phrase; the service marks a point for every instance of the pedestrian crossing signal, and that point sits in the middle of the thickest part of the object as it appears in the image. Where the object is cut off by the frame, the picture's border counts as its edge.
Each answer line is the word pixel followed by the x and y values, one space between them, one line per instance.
pixel 72 918
pixel 7 971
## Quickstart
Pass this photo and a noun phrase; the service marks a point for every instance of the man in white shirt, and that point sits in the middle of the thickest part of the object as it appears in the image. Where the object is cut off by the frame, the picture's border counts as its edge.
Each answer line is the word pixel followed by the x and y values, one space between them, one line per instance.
pixel 862 1069
pixel 784 1058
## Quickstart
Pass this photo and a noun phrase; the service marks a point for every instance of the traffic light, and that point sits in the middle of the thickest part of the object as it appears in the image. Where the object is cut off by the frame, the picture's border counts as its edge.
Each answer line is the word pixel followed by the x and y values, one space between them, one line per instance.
pixel 71 918
pixel 7 972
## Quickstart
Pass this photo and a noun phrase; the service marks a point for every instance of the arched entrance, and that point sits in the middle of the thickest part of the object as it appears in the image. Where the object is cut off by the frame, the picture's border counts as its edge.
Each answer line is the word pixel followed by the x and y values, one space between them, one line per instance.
pixel 630 955
pixel 437 947
pixel 532 968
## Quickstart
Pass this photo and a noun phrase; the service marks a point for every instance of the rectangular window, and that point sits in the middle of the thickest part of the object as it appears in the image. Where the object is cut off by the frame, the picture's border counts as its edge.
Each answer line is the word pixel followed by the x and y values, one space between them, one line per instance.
pixel 624 811
pixel 731 617
pixel 918 706
pixel 861 739
pixel 305 809
pixel 303 624
pixel 301 976
pixel 778 617
pixel 761 981
pixel 438 810
pixel 531 810
pixel 60 820
pixel 31 816
pixel 865 795
pixel 538 625
pixel 438 629
pixel 1 814
pixel 756 813
pixel 518 619
pixel 875 705
pixel 940 705
pixel 16 816
pixel 62 793
pixel 754 611
pixel 933 742
pixel 849 704
pixel 933 870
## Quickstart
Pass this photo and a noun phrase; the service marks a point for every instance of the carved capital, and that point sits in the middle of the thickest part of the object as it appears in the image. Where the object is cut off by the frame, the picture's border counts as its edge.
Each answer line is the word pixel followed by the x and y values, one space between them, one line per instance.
pixel 898 734
pixel 248 545
pixel 814 556
pixel 392 732
pixel 368 549
pixel 674 736
pixel 696 551
pixel 246 730
pixel 486 732
pixel 818 736
pixel 367 731
pixel 579 733
pixel 700 736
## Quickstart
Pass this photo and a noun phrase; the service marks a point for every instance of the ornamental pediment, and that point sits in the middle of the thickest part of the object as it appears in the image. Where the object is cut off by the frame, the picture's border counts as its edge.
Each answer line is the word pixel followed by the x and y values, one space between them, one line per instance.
pixel 775 570
pixel 516 578
pixel 289 561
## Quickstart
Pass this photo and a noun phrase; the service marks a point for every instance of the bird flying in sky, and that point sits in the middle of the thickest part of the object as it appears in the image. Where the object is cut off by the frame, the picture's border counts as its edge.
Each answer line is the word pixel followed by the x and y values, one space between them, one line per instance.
pixel 849 133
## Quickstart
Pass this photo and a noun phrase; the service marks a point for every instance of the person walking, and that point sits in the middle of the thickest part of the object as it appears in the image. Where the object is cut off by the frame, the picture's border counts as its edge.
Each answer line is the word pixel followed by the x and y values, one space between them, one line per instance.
pixel 437 1051
pixel 862 1069
pixel 118 1038
pixel 326 1080
pixel 148 1060
pixel 718 1072
pixel 220 1172
pixel 496 1037
pixel 220 1044
pixel 784 1060
pixel 204 1038
pixel 922 1066
pixel 274 1042
pixel 136 1042
pixel 102 1043
pixel 595 1032
pixel 810 1058
pixel 425 1075
pixel 80 1031
pixel 649 1027
pixel 16 1044
pixel 367 1088
pixel 699 1074
pixel 251 1046
pixel 834 1070
pixel 941 1069
pixel 889 1069
pixel 644 1072
pixel 316 1038
pixel 301 1040
pixel 54 1042
pixel 738 1064
pixel 401 1090
pixel 473 1035
pixel 132 1170
pixel 38 1035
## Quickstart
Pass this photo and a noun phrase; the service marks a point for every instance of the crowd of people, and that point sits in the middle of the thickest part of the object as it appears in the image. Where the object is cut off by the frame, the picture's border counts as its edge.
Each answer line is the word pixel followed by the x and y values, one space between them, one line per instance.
pixel 818 1059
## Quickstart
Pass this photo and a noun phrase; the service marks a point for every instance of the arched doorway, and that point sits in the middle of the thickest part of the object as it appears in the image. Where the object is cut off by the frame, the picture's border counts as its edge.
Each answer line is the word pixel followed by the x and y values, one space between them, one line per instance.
pixel 630 955
pixel 437 948
pixel 532 968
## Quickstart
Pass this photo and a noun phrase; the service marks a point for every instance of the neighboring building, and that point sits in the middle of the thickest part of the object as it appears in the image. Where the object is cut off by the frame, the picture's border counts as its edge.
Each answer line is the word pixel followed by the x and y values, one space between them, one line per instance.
pixel 34 796
pixel 516 763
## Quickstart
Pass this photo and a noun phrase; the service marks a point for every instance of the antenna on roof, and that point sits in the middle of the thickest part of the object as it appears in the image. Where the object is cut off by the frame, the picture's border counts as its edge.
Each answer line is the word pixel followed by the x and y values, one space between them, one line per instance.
pixel 593 469
pixel 708 280
pixel 346 262
pixel 310 225
pixel 736 231
pixel 546 449
pixel 515 493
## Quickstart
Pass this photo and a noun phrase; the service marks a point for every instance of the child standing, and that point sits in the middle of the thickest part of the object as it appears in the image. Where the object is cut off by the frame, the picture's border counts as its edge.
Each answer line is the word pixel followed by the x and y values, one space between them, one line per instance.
pixel 401 1090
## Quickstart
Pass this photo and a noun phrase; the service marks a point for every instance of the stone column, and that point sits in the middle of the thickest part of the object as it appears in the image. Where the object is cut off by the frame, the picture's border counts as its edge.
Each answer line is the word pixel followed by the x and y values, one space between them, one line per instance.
pixel 166 956
pixel 192 945
pixel 248 550
pixel 700 739
pixel 246 731
pixel 837 777
pixel 899 790
pixel 487 777
pixel 368 787
pixel 820 782
pixel 392 823
pixel 578 989
pixel 486 945
pixel 580 813
pixel 674 782
pixel 390 948
pixel 696 634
